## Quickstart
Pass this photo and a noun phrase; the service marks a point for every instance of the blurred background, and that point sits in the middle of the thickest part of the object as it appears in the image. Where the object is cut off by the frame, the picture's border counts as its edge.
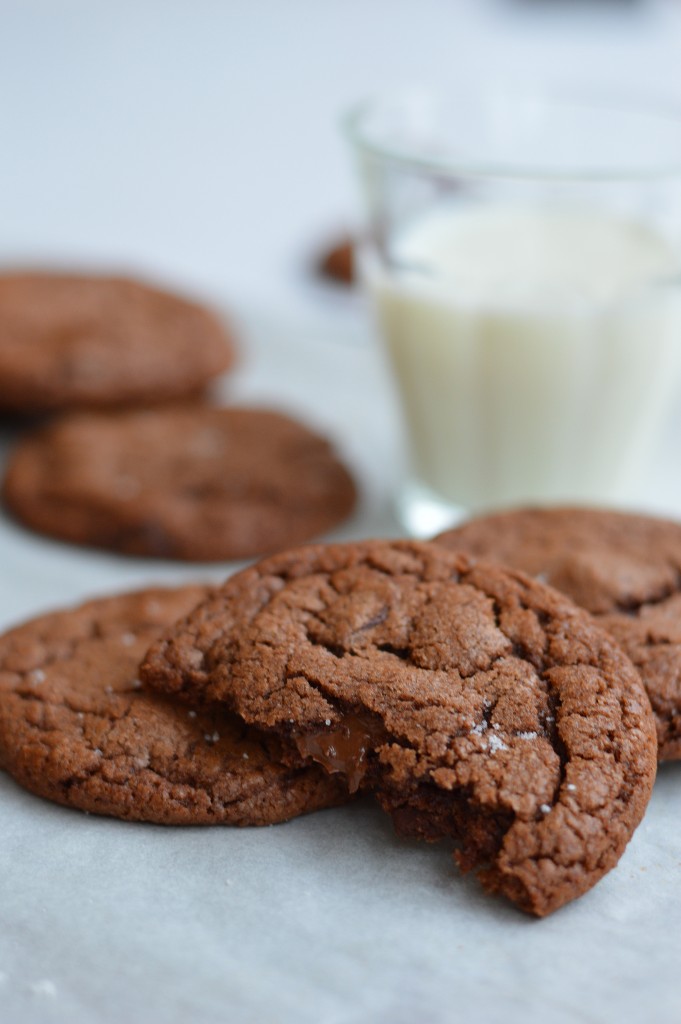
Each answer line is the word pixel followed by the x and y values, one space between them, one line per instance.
pixel 199 141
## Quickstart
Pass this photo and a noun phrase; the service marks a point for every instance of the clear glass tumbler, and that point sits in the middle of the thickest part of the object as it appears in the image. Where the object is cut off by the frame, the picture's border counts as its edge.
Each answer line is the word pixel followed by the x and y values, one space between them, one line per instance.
pixel 523 260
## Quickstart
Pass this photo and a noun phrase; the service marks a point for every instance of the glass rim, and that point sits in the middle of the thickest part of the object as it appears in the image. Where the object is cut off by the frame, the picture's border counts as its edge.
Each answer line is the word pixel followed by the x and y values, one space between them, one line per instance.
pixel 353 126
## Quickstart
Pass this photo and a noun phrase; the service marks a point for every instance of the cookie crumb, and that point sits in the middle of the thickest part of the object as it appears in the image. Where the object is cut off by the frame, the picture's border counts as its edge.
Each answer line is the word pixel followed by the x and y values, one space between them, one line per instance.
pixel 338 263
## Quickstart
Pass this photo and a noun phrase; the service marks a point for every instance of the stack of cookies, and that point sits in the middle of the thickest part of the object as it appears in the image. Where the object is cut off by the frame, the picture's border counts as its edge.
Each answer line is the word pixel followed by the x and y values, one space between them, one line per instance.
pixel 477 704
pixel 136 462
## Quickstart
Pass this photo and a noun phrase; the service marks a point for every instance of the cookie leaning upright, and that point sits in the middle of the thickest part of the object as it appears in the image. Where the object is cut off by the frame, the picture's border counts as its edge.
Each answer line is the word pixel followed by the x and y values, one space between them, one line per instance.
pixel 76 727
pixel 191 482
pixel 70 341
pixel 625 569
pixel 477 704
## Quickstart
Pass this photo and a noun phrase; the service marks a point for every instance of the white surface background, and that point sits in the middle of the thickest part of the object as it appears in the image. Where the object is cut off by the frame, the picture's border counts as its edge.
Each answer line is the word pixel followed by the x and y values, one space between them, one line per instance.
pixel 197 142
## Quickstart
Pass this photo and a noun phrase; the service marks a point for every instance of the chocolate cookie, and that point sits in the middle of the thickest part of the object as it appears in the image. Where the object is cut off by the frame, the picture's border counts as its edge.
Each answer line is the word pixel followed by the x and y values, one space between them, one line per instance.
pixel 477 703
pixel 193 483
pixel 75 726
pixel 624 569
pixel 71 341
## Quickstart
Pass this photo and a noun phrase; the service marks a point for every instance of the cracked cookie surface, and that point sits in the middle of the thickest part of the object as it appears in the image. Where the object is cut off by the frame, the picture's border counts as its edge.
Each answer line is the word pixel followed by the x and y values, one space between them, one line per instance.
pixel 625 569
pixel 71 341
pixel 476 703
pixel 76 727
pixel 195 482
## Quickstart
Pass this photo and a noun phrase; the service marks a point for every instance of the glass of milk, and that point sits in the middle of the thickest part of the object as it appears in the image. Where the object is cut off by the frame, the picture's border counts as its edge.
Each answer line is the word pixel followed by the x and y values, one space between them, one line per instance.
pixel 523 260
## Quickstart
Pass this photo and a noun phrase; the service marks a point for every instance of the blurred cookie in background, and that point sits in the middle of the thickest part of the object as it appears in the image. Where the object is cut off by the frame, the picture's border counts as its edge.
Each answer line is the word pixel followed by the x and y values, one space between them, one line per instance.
pixel 187 482
pixel 75 341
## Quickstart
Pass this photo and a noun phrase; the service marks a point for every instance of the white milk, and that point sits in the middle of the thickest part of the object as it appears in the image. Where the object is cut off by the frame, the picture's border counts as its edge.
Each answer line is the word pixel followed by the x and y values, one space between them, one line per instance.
pixel 536 350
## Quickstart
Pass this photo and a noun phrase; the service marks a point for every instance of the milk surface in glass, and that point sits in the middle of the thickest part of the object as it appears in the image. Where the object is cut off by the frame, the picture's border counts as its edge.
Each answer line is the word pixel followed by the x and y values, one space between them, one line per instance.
pixel 536 350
